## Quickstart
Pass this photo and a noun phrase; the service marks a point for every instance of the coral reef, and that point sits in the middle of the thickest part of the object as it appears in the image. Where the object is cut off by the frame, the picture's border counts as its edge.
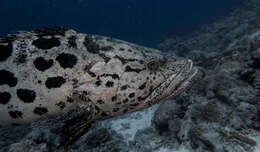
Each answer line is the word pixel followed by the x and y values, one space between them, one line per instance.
pixel 216 38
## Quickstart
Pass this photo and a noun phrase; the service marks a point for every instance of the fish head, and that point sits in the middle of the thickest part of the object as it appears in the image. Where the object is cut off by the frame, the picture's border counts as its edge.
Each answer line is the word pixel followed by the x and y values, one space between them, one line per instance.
pixel 164 76
pixel 136 79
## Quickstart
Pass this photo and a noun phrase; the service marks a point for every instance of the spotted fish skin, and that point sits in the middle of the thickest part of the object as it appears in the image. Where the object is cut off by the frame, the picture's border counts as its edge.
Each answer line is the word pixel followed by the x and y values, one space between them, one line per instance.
pixel 52 72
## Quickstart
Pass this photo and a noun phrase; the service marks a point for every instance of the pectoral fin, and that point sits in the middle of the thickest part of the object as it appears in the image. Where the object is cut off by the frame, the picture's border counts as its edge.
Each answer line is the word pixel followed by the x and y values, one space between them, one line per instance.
pixel 73 130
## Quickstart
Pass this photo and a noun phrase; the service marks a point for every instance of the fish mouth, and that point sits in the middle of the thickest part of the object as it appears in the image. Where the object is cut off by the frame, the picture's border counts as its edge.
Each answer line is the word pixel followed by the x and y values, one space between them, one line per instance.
pixel 182 81
pixel 175 84
pixel 188 81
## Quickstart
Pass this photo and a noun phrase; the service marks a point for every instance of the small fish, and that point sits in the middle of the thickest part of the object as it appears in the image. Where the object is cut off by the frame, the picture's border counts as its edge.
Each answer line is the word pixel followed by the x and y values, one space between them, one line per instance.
pixel 86 78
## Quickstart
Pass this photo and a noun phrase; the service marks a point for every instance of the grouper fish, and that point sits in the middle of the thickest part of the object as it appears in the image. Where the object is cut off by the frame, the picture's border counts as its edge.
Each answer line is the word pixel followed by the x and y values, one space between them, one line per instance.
pixel 85 78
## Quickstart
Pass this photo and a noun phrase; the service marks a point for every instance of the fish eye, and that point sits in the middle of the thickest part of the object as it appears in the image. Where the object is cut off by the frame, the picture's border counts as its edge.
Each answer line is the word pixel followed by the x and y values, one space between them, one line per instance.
pixel 163 61
pixel 153 65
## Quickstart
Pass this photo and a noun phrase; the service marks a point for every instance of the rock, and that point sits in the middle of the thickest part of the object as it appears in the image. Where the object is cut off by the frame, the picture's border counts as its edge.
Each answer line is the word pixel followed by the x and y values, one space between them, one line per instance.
pixel 167 116
pixel 196 138
pixel 28 146
pixel 12 135
pixel 244 139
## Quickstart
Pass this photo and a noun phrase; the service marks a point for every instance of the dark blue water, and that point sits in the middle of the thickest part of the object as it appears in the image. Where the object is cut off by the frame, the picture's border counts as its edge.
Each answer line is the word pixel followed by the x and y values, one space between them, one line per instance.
pixel 143 22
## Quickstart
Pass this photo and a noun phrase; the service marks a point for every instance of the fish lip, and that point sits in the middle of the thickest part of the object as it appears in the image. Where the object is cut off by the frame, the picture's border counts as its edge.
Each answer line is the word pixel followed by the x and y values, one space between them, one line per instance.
pixel 185 83
pixel 172 89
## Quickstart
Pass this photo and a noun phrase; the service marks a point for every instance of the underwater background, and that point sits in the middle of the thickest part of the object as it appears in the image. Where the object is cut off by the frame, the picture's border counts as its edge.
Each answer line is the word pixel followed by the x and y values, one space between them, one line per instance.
pixel 220 113
pixel 140 21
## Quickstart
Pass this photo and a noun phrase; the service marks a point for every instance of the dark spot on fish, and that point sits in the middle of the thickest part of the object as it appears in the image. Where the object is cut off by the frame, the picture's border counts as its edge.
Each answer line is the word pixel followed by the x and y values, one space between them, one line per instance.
pixel 61 105
pixel 114 76
pixel 16 114
pixel 131 95
pixel 114 98
pixel 125 100
pixel 92 74
pixel 67 60
pixel 150 92
pixel 134 104
pixel 129 69
pixel 54 82
pixel 10 106
pixel 106 59
pixel 40 110
pixel 142 86
pixel 100 102
pixel 97 110
pixel 82 96
pixel 40 81
pixel 140 99
pixel 98 82
pixel 87 69
pixel 72 41
pixel 104 114
pixel 129 50
pixel 124 87
pixel 109 84
pixel 119 103
pixel 123 60
pixel 121 49
pixel 125 110
pixel 91 46
pixel 41 64
pixel 26 95
pixel 6 51
pixel 7 78
pixel 141 61
pixel 5 97
pixel 115 109
pixel 70 100
pixel 107 48
pixel 46 43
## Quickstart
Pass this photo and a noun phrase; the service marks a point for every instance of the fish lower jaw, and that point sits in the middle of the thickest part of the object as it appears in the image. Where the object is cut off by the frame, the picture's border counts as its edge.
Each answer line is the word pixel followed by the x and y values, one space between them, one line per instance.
pixel 183 85
pixel 187 83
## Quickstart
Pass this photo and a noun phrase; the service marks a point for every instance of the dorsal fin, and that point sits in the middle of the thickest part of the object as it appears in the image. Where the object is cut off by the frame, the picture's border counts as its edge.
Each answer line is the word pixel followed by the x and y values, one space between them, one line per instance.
pixel 46 31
